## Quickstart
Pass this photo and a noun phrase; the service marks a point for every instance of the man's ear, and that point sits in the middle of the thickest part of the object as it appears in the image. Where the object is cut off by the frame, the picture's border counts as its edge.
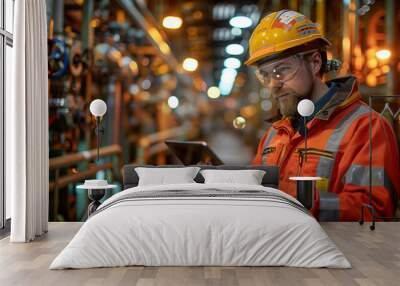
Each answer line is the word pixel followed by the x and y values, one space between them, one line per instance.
pixel 316 63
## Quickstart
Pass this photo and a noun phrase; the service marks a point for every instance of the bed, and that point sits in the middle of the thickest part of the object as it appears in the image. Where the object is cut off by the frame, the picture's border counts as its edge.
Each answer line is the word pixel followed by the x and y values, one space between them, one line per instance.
pixel 201 224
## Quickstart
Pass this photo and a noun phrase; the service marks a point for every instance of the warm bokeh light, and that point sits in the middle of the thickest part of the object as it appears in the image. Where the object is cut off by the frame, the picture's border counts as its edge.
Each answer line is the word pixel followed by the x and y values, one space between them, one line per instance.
pixel 213 92
pixel 95 23
pixel 376 72
pixel 357 50
pixel 248 111
pixel 173 102
pixel 165 48
pixel 158 38
pixel 371 52
pixel 127 64
pixel 241 22
pixel 239 122
pixel 383 54
pixel 385 68
pixel 115 55
pixel 134 67
pixel 372 63
pixel 371 80
pixel 358 63
pixel 172 22
pixel 162 69
pixel 190 64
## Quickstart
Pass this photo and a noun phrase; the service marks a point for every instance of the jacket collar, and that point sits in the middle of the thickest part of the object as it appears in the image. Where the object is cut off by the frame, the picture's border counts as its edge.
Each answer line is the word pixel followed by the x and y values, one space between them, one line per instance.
pixel 284 124
pixel 346 93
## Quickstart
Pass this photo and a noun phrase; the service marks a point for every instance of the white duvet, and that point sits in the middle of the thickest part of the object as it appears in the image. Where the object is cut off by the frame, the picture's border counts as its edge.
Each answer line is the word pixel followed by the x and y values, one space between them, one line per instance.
pixel 192 231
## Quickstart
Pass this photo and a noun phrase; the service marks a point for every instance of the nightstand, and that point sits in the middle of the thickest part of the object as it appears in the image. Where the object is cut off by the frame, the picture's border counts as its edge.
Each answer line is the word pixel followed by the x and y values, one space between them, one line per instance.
pixel 96 191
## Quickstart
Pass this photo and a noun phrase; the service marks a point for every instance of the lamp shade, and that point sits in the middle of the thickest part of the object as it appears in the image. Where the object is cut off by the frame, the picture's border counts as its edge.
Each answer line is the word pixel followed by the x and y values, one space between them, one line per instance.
pixel 305 107
pixel 98 107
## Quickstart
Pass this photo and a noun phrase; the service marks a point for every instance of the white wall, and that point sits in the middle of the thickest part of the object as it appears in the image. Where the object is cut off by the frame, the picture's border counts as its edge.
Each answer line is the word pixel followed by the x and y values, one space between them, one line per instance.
pixel 9 12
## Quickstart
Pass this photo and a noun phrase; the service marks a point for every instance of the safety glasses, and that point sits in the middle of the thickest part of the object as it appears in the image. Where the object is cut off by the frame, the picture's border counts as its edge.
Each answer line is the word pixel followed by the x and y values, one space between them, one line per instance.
pixel 282 70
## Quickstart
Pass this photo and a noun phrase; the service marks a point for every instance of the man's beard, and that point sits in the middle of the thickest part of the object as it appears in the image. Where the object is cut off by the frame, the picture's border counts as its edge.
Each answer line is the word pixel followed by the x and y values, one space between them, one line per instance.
pixel 288 104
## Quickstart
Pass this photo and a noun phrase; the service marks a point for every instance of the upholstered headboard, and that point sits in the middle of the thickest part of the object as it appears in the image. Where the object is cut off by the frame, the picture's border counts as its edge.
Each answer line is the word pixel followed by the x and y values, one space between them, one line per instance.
pixel 270 179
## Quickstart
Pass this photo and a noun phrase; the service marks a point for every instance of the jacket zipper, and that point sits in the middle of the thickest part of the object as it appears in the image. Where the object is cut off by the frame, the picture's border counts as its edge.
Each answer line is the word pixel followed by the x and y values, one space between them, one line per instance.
pixel 311 151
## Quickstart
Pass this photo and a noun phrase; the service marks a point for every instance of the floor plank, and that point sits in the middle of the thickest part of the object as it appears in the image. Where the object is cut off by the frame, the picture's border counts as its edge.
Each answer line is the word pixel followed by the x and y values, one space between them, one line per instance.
pixel 375 257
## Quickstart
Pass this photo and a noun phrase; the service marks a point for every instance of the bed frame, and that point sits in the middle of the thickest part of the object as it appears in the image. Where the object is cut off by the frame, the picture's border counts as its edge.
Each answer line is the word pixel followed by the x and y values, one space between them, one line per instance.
pixel 270 179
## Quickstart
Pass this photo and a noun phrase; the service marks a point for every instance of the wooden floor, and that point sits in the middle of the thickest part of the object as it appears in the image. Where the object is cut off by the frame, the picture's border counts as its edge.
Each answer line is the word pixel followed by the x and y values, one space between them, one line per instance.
pixel 375 257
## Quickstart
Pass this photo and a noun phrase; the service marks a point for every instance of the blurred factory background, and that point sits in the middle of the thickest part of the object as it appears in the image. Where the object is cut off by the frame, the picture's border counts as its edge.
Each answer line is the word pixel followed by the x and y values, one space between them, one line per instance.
pixel 174 70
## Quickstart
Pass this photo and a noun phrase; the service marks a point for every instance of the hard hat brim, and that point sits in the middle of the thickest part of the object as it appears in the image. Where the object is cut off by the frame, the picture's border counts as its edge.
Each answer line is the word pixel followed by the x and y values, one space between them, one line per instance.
pixel 277 51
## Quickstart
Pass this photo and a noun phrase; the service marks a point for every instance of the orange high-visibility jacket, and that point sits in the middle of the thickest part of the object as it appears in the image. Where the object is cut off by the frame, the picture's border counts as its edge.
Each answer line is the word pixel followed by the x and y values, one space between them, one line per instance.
pixel 338 151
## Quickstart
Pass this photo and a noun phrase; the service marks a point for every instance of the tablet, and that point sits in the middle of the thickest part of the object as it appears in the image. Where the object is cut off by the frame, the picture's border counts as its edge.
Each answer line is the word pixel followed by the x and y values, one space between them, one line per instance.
pixel 193 152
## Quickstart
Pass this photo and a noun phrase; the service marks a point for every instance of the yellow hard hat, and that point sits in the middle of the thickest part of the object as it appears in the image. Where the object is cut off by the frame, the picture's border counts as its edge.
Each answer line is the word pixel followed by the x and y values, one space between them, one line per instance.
pixel 280 31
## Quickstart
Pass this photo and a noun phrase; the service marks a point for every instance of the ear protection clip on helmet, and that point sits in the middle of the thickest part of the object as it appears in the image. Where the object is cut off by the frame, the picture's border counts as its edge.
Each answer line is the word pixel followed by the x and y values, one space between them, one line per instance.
pixel 332 65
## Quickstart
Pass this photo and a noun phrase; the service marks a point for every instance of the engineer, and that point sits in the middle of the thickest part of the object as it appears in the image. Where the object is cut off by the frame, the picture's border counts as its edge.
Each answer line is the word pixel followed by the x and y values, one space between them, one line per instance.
pixel 289 53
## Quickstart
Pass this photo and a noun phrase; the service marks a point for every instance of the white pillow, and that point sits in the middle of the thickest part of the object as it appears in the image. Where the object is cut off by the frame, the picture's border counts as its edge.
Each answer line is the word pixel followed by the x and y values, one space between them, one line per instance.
pixel 166 176
pixel 248 177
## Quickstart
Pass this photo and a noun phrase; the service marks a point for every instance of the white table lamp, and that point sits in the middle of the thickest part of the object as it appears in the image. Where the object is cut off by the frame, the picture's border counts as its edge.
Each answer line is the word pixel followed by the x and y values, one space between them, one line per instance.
pixel 98 108
pixel 305 108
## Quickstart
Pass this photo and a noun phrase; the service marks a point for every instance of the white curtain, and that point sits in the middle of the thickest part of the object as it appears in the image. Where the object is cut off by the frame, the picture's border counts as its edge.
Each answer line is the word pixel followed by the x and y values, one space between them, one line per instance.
pixel 27 124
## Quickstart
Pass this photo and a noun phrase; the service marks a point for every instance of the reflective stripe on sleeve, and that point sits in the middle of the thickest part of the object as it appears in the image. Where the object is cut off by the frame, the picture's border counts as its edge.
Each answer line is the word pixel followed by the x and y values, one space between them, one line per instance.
pixel 359 175
pixel 329 206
